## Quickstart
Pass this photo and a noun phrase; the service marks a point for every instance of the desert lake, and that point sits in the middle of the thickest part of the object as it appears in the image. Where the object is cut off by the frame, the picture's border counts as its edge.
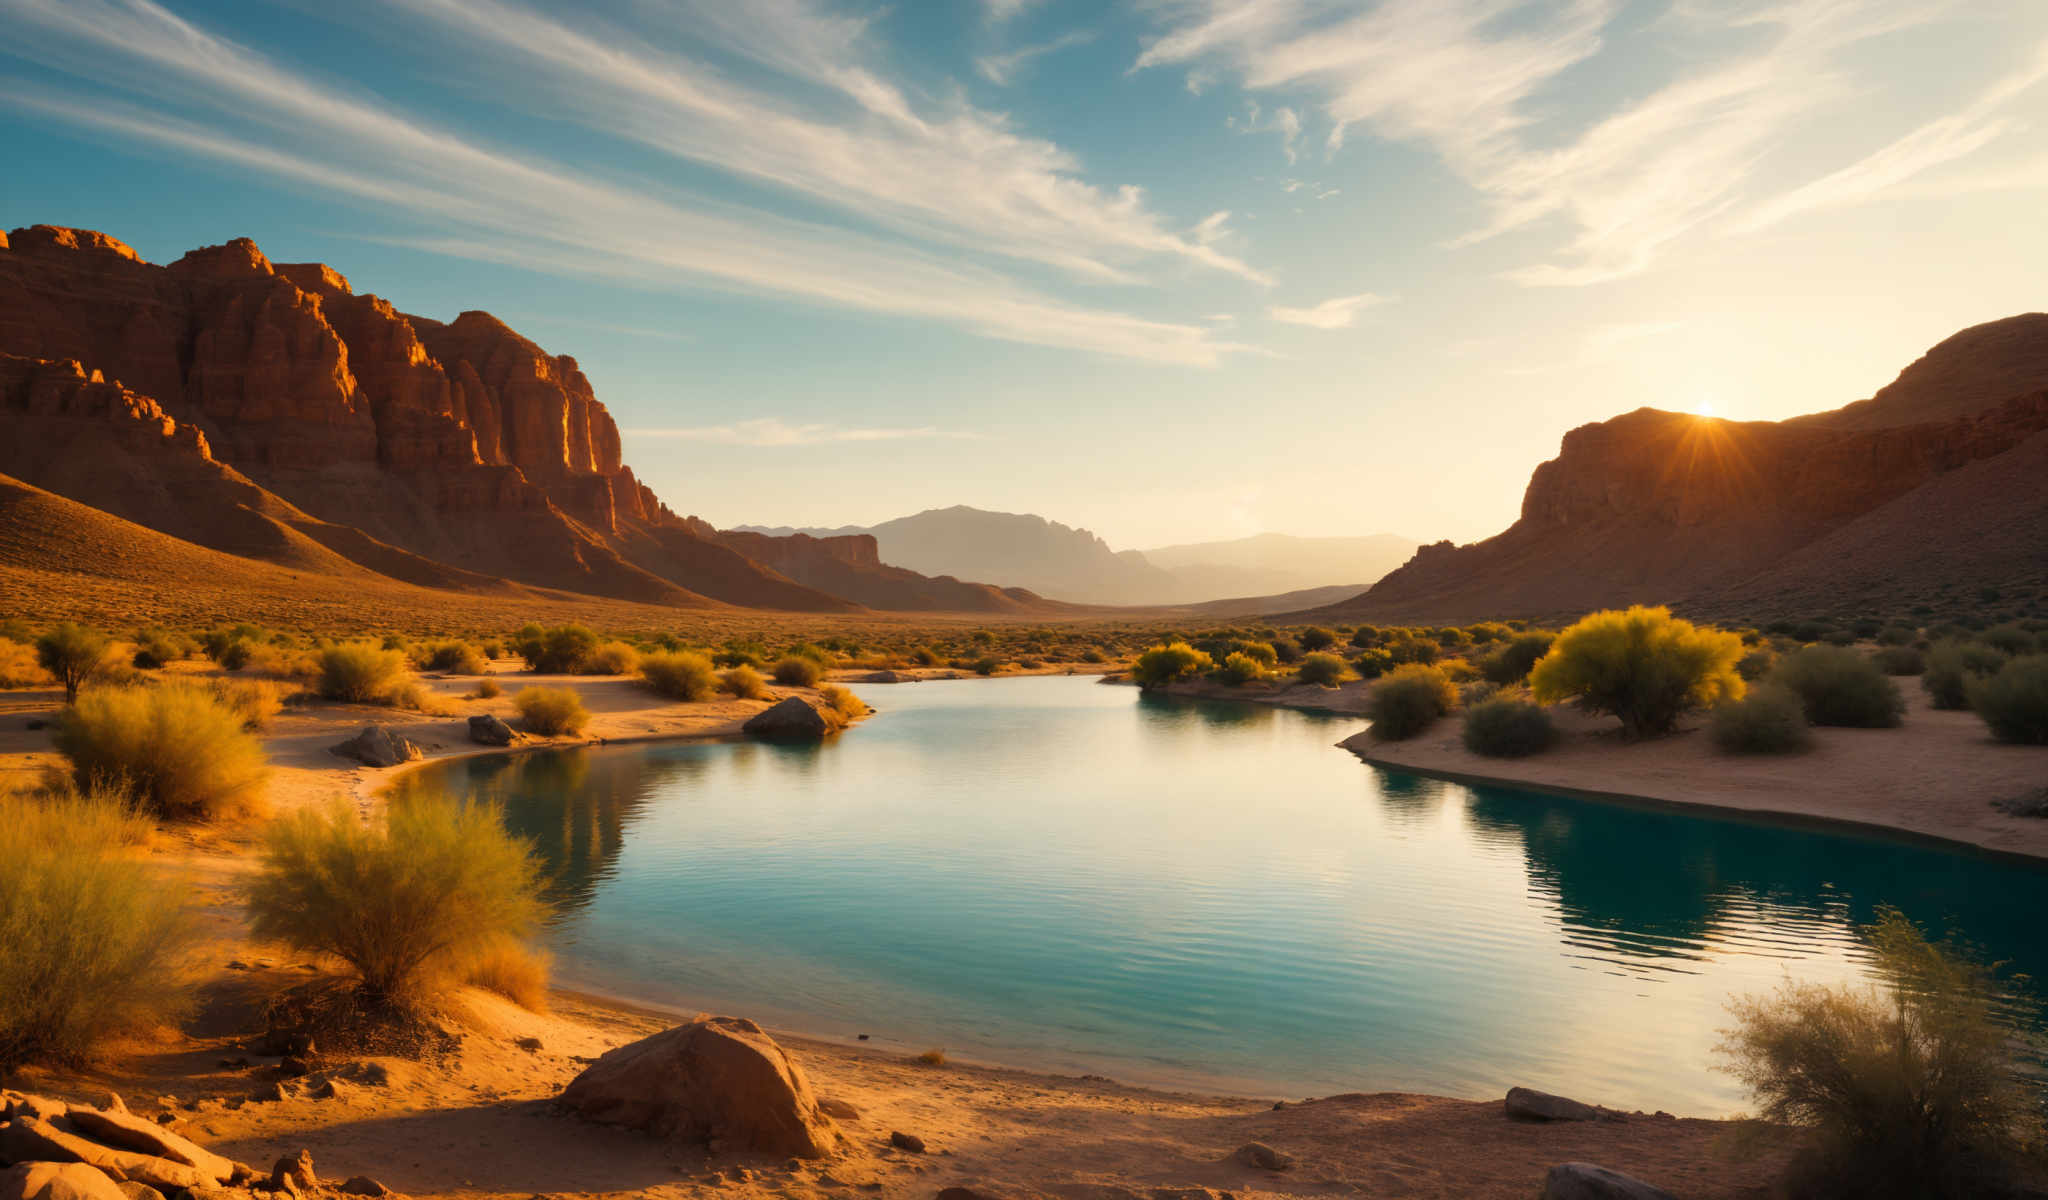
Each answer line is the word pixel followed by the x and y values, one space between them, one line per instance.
pixel 1052 873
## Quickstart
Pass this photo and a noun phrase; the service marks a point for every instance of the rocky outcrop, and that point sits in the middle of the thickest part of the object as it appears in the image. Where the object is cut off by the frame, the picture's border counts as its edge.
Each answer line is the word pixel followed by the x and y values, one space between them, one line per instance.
pixel 377 746
pixel 487 730
pixel 718 1081
pixel 792 718
pixel 1661 507
pixel 1528 1104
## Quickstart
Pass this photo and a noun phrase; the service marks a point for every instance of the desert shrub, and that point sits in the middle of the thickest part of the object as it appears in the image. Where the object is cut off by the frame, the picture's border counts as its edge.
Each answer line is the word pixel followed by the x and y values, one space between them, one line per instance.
pixel 796 670
pixel 1896 635
pixel 366 673
pixel 487 689
pixel 987 664
pixel 1506 727
pixel 515 970
pixel 94 941
pixel 18 666
pixel 2014 702
pixel 1315 638
pixel 1510 662
pixel 280 662
pixel 412 902
pixel 1483 632
pixel 180 752
pixel 1951 665
pixel 1457 670
pixel 924 656
pixel 1408 700
pixel 1910 1085
pixel 72 654
pixel 1238 669
pixel 1169 663
pixel 1285 649
pixel 1838 686
pixel 1366 636
pixel 611 658
pixel 1413 650
pixel 1769 720
pixel 2009 639
pixel 1898 660
pixel 1371 664
pixel 255 701
pixel 1643 666
pixel 551 711
pixel 1093 655
pixel 679 675
pixel 452 658
pixel 154 648
pixel 1755 663
pixel 561 650
pixel 743 681
pixel 1322 669
pixel 841 701
pixel 229 645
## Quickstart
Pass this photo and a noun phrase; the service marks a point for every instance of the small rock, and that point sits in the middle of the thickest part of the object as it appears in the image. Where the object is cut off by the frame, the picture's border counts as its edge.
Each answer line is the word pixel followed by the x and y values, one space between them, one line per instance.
pixel 1584 1181
pixel 1279 1105
pixel 277 1091
pixel 907 1141
pixel 528 1044
pixel 294 1173
pixel 1262 1156
pixel 294 1067
pixel 329 1089
pixel 363 1185
pixel 377 746
pixel 487 730
pixel 58 1181
pixel 1532 1105
pixel 838 1110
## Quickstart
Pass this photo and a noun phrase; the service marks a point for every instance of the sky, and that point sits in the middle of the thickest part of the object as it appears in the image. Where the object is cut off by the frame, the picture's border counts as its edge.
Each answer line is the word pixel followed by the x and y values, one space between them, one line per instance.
pixel 1172 270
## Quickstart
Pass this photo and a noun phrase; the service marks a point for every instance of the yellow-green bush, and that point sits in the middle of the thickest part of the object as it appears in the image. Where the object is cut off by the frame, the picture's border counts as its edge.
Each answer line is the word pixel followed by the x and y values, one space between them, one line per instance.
pixel 366 673
pixel 515 970
pixel 1840 686
pixel 611 658
pixel 551 711
pixel 1911 1088
pixel 18 666
pixel 94 940
pixel 744 682
pixel 451 658
pixel 1643 666
pixel 1407 700
pixel 1509 663
pixel 72 654
pixel 1238 669
pixel 255 701
pixel 1951 666
pixel 560 650
pixel 1169 663
pixel 1770 719
pixel 1506 727
pixel 679 675
pixel 178 750
pixel 1323 669
pixel 798 670
pixel 413 902
pixel 2014 702
pixel 841 701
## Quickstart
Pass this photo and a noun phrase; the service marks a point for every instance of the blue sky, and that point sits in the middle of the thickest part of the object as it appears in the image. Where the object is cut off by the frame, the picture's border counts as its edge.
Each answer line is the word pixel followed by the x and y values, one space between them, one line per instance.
pixel 1170 269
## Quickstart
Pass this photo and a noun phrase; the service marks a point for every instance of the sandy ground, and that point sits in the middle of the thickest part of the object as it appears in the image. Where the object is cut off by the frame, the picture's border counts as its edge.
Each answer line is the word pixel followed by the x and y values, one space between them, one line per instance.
pixel 1935 776
pixel 479 1125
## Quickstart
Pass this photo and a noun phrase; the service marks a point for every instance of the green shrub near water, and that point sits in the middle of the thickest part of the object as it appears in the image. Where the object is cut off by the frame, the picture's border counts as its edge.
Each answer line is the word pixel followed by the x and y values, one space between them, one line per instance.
pixel 1839 686
pixel 366 673
pixel 1323 670
pixel 1315 638
pixel 744 682
pixel 1643 666
pixel 1408 700
pixel 94 939
pixel 1238 669
pixel 2014 702
pixel 1371 664
pixel 611 658
pixel 560 650
pixel 841 701
pixel 1506 727
pixel 679 675
pixel 1951 665
pixel 1769 720
pixel 798 670
pixel 1911 1086
pixel 551 712
pixel 179 751
pixel 412 903
pixel 1509 663
pixel 1169 663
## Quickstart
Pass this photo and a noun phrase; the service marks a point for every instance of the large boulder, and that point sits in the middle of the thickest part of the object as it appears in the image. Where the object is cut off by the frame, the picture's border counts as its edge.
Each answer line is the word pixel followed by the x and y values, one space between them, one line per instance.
pixel 718 1080
pixel 377 746
pixel 487 730
pixel 1584 1181
pixel 126 1131
pixel 57 1181
pixel 1532 1105
pixel 29 1139
pixel 791 719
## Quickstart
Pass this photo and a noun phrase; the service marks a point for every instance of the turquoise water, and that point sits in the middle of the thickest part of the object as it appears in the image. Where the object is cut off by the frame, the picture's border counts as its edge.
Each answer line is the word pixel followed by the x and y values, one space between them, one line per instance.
pixel 1053 873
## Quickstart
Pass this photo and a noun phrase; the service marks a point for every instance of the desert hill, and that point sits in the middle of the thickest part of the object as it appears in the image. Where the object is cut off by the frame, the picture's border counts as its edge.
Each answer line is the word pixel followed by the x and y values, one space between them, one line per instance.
pixel 269 411
pixel 1073 564
pixel 1934 484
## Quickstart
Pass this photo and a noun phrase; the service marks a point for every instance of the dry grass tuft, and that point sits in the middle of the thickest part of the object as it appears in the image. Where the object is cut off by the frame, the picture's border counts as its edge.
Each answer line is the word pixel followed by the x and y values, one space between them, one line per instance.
pixel 515 970
pixel 180 751
pixel 366 673
pixel 551 711
pixel 679 675
pixel 743 681
pixel 934 1057
pixel 841 701
pixel 19 668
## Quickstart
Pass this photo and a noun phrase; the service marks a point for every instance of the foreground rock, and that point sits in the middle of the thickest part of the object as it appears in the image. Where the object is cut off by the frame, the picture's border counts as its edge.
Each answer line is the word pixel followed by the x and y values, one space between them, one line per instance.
pixel 1532 1105
pixel 1584 1181
pixel 106 1145
pixel 1262 1156
pixel 790 719
pixel 716 1080
pixel 127 1131
pixel 377 746
pixel 58 1181
pixel 487 730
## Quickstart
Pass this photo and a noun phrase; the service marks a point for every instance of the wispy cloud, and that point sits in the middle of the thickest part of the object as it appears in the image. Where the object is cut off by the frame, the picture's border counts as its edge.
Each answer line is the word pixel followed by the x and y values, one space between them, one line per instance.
pixel 1001 69
pixel 772 431
pixel 1470 79
pixel 1282 120
pixel 1336 313
pixel 999 11
pixel 256 115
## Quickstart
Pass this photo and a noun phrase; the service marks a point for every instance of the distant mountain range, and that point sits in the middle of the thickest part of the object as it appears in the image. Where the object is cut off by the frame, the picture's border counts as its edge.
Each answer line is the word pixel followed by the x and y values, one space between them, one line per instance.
pixel 1051 559
pixel 1933 491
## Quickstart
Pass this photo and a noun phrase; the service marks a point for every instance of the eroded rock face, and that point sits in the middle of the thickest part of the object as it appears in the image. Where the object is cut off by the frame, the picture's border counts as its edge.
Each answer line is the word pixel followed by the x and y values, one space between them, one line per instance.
pixel 716 1080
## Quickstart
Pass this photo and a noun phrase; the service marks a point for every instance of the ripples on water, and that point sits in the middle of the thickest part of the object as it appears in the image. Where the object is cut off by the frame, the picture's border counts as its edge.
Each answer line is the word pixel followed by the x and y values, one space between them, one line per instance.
pixel 1051 872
